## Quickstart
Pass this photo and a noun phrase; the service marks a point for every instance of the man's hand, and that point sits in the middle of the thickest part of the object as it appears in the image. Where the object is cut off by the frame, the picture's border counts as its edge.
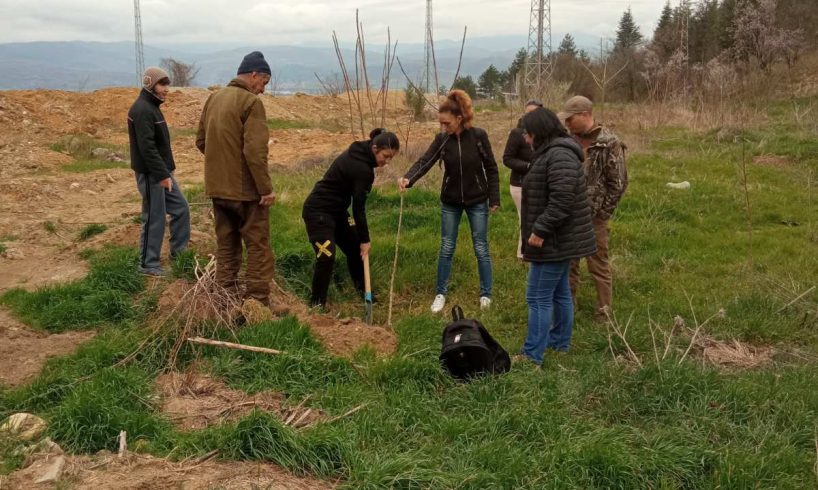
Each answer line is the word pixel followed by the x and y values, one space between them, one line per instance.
pixel 167 184
pixel 535 241
pixel 267 200
pixel 494 208
pixel 365 249
pixel 403 184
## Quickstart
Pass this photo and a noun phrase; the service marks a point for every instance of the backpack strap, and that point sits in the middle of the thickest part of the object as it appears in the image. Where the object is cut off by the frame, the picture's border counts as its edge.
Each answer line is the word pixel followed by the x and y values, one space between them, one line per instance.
pixel 481 134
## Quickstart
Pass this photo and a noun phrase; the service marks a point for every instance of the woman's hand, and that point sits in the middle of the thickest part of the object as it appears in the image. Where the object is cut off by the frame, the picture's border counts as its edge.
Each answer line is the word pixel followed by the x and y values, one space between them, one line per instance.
pixel 365 247
pixel 403 184
pixel 494 208
pixel 535 241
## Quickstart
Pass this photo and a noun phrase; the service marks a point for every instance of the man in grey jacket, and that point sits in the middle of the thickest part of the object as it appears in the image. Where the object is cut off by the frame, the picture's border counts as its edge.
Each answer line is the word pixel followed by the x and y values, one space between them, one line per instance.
pixel 153 166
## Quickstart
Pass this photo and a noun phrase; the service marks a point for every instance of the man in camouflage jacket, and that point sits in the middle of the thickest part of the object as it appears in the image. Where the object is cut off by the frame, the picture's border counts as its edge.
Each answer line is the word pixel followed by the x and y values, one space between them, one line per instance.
pixel 607 179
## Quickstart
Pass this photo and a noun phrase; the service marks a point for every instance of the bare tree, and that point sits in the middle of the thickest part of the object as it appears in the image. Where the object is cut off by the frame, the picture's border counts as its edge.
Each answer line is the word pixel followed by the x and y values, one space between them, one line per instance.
pixel 603 79
pixel 181 74
pixel 359 90
pixel 275 81
pixel 331 86
pixel 756 35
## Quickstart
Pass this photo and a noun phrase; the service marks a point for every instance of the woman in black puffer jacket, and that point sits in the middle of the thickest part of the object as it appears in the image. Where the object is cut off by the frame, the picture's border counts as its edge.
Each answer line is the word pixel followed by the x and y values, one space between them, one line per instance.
pixel 556 228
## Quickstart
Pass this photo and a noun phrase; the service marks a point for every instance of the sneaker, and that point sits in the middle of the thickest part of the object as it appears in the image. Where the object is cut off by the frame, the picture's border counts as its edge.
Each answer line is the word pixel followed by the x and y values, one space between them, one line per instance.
pixel 438 303
pixel 485 302
pixel 151 271
pixel 523 359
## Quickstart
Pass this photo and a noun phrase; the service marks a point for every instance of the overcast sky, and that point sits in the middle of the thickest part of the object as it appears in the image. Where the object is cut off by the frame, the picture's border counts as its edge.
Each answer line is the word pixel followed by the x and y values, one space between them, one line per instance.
pixel 302 22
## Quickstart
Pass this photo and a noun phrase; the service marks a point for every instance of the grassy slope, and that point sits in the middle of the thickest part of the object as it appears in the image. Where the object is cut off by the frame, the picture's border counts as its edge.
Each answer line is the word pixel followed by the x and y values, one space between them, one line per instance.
pixel 584 421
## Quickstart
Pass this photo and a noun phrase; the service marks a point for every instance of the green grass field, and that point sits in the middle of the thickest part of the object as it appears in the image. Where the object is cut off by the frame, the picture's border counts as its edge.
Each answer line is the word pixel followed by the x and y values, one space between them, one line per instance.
pixel 586 420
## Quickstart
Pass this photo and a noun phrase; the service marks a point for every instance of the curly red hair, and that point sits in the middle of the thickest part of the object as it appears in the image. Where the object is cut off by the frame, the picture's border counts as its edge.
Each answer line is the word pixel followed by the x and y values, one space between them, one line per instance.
pixel 458 103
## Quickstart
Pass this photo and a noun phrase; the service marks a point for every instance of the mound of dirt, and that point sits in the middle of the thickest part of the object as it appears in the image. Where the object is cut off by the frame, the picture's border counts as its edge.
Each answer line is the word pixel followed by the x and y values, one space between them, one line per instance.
pixel 140 472
pixel 24 352
pixel 194 401
pixel 343 337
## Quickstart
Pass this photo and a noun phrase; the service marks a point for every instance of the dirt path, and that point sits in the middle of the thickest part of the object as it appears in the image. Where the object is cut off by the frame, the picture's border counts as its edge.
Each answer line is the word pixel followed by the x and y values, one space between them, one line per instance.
pixel 140 472
pixel 23 351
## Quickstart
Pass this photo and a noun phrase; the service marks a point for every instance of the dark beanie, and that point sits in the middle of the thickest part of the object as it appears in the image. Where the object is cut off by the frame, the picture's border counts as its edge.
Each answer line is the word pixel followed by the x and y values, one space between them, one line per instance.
pixel 254 62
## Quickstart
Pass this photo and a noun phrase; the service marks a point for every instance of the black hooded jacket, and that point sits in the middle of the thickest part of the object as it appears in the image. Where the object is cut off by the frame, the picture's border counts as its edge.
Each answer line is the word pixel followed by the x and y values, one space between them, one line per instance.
pixel 470 171
pixel 517 155
pixel 555 204
pixel 348 180
pixel 149 138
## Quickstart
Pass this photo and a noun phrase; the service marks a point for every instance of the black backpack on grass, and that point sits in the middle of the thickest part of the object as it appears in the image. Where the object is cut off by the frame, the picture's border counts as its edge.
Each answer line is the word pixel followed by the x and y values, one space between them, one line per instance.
pixel 469 350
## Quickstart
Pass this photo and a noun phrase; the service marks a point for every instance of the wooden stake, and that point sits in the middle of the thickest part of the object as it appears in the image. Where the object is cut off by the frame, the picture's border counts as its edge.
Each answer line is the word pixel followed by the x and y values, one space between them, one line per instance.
pixel 123 443
pixel 231 345
pixel 394 264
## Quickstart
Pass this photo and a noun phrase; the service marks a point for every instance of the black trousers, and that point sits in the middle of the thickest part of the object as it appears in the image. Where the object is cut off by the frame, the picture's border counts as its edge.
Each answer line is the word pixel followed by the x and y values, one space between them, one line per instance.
pixel 327 233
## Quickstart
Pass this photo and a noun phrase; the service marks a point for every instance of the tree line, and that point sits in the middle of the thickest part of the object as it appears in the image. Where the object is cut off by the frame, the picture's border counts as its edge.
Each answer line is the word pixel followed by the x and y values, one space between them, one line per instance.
pixel 701 46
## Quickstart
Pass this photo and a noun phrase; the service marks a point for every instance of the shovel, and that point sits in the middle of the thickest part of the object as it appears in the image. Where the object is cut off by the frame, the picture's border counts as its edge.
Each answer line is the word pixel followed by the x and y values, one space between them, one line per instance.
pixel 367 292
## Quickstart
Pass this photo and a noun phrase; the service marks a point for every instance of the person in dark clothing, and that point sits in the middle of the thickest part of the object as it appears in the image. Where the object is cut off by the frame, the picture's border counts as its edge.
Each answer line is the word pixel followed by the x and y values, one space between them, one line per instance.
pixel 517 157
pixel 347 181
pixel 556 225
pixel 153 166
pixel 471 184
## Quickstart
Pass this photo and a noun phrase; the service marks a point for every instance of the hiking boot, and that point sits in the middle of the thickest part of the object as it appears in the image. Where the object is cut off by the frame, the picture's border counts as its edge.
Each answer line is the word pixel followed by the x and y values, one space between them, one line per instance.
pixel 438 303
pixel 151 271
pixel 485 302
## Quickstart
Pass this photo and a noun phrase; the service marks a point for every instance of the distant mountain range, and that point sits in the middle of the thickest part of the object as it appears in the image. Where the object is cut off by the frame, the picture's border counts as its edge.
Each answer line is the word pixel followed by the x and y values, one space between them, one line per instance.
pixel 82 66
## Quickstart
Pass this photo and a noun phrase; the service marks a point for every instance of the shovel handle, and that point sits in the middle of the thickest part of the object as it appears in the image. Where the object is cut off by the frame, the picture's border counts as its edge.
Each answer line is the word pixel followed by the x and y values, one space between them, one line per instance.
pixel 367 282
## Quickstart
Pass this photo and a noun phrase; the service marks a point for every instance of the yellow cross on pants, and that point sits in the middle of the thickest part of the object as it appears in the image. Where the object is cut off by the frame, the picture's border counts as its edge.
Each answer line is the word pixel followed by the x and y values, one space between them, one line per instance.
pixel 323 249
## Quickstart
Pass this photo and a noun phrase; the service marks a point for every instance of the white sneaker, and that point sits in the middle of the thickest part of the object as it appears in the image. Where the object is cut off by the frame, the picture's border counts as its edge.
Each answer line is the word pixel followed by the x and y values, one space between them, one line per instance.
pixel 485 302
pixel 438 303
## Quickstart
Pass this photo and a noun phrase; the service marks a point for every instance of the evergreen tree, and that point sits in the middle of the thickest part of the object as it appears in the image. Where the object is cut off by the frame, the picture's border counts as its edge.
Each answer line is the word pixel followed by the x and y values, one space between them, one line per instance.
pixel 518 64
pixel 491 82
pixel 625 54
pixel 727 14
pixel 467 85
pixel 567 47
pixel 628 36
pixel 703 39
pixel 665 37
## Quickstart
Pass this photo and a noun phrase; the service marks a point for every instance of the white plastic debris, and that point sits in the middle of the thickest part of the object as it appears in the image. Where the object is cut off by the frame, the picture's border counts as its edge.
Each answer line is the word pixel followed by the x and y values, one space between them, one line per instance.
pixel 679 185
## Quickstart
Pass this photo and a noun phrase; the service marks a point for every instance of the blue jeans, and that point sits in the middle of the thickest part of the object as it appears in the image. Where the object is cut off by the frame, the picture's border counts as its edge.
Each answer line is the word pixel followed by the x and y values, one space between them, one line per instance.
pixel 550 309
pixel 478 215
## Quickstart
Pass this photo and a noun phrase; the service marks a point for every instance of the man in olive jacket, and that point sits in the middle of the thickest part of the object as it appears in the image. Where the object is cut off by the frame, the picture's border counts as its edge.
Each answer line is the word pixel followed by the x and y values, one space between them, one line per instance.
pixel 607 178
pixel 233 136
pixel 153 166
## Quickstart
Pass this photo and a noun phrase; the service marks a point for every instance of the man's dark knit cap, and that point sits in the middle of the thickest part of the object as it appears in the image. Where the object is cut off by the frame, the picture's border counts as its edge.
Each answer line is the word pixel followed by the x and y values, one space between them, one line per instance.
pixel 254 62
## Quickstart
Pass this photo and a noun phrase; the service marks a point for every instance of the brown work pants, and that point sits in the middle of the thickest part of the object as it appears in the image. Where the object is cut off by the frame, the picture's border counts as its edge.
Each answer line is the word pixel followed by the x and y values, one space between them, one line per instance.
pixel 238 221
pixel 600 269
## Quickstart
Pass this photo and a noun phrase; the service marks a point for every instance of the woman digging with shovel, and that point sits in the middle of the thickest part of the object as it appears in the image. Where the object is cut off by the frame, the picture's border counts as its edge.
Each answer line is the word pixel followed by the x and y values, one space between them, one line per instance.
pixel 348 180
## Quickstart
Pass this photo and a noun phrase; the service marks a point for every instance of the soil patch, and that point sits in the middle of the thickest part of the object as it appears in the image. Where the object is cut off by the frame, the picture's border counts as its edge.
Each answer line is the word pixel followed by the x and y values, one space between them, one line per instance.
pixel 343 337
pixel 769 160
pixel 194 401
pixel 140 472
pixel 24 352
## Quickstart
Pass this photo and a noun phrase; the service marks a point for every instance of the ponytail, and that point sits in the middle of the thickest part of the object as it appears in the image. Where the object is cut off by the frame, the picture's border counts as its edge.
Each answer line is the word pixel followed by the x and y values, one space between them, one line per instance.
pixel 458 103
pixel 384 140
